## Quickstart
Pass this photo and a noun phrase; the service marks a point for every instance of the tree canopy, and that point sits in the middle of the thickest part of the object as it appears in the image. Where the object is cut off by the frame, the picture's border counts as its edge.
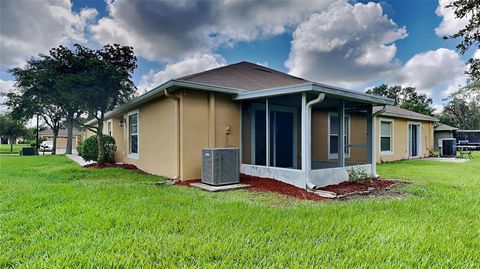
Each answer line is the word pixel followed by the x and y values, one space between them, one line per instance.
pixel 470 37
pixel 461 114
pixel 405 97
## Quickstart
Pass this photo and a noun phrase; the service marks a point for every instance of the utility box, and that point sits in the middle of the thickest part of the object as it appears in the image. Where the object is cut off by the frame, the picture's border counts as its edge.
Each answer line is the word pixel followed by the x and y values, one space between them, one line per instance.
pixel 27 151
pixel 447 147
pixel 220 166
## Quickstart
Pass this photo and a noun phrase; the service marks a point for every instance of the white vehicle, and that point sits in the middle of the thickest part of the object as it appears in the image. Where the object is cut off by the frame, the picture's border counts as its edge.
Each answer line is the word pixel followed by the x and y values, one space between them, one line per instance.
pixel 46 146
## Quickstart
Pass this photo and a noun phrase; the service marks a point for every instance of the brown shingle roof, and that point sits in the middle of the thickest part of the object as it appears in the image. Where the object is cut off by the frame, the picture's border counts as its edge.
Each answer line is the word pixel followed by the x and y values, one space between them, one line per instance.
pixel 445 127
pixel 61 132
pixel 394 111
pixel 245 76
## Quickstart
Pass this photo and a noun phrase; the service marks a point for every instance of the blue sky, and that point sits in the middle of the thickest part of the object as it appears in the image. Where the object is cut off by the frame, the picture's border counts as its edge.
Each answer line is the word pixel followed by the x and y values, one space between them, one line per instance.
pixel 351 44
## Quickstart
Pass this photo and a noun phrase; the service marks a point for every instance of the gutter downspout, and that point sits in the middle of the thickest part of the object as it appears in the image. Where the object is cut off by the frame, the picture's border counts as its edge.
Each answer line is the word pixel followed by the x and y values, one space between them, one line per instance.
pixel 374 139
pixel 177 129
pixel 308 140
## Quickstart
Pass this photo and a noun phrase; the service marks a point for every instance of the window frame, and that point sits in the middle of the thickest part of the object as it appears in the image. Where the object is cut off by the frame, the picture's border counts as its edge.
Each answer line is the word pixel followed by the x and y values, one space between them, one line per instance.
pixel 110 126
pixel 132 155
pixel 333 156
pixel 392 128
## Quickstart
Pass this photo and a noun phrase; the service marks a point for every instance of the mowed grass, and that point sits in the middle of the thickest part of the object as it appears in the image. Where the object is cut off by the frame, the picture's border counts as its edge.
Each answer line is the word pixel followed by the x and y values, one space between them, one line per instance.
pixel 5 148
pixel 55 214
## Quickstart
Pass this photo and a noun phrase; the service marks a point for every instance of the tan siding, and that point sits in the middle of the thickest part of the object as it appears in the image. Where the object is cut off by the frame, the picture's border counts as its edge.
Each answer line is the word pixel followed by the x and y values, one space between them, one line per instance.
pixel 400 139
pixel 227 114
pixel 194 131
pixel 62 141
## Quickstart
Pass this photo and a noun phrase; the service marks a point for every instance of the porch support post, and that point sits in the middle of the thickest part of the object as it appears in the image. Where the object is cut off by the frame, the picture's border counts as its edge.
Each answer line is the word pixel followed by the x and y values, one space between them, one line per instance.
pixel 267 129
pixel 373 144
pixel 341 134
pixel 304 134
pixel 370 149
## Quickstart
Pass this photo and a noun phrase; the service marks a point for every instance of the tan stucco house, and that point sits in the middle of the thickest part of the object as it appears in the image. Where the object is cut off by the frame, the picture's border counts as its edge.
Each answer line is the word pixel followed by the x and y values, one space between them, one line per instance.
pixel 286 128
pixel 61 137
pixel 403 134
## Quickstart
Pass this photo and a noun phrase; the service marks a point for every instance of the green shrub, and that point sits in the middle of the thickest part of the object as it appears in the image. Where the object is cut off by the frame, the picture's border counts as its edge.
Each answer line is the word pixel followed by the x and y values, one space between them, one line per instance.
pixel 80 148
pixel 89 149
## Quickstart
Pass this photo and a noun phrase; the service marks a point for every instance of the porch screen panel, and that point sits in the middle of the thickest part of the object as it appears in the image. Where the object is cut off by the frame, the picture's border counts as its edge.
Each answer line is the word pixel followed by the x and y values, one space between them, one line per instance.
pixel 253 133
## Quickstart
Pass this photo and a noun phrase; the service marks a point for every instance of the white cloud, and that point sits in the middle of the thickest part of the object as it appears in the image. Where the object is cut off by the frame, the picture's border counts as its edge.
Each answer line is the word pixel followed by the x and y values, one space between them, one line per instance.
pixel 434 69
pixel 450 24
pixel 5 87
pixel 171 30
pixel 438 108
pixel 477 54
pixel 31 27
pixel 345 44
pixel 190 65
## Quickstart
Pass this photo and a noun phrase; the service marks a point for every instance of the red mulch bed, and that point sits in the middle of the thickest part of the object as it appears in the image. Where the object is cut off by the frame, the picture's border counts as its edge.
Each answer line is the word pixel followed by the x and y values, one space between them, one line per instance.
pixel 350 187
pixel 270 185
pixel 111 165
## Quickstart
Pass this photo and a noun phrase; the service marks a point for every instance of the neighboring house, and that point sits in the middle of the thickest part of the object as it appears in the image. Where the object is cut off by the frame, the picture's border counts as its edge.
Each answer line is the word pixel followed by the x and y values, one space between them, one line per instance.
pixel 287 128
pixel 403 134
pixel 443 131
pixel 62 137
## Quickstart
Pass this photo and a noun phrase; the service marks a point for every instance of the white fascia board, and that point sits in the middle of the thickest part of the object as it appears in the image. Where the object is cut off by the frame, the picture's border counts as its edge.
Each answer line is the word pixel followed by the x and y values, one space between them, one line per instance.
pixel 352 95
pixel 270 92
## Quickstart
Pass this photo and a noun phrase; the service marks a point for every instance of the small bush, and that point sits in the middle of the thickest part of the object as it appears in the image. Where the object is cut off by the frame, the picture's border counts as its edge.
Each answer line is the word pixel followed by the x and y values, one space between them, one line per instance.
pixel 89 149
pixel 357 174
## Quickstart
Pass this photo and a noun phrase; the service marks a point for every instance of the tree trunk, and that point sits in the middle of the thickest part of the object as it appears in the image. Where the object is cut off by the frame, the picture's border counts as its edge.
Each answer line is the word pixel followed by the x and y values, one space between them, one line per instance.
pixel 11 145
pixel 100 142
pixel 54 147
pixel 68 149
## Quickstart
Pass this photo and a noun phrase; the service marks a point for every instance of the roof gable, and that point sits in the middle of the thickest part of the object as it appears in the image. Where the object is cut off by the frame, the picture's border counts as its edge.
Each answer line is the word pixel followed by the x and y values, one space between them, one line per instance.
pixel 245 76
pixel 395 111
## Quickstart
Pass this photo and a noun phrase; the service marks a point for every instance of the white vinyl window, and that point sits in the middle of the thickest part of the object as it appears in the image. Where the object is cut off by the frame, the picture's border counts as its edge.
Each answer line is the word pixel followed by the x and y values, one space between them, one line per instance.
pixel 386 139
pixel 333 133
pixel 109 128
pixel 133 134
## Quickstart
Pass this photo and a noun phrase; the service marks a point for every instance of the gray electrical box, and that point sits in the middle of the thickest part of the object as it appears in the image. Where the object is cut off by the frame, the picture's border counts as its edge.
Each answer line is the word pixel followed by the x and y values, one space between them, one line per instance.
pixel 220 166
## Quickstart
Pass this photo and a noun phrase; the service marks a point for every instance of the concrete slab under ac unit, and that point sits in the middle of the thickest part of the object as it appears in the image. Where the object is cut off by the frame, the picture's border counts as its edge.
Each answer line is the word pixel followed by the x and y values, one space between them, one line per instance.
pixel 211 188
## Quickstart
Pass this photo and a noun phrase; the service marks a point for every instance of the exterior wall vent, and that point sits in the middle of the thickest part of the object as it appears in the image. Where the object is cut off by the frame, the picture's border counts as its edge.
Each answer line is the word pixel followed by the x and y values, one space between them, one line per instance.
pixel 220 166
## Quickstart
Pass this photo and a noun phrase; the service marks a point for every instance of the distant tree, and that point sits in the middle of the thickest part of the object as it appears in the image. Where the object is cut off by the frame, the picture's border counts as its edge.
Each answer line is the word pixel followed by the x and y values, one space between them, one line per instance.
pixel 105 82
pixel 407 98
pixel 461 114
pixel 35 93
pixel 11 129
pixel 470 35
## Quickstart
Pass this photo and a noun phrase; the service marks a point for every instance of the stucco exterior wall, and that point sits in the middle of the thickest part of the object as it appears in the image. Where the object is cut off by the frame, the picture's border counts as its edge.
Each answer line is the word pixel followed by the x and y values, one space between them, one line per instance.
pixel 62 141
pixel 401 141
pixel 205 118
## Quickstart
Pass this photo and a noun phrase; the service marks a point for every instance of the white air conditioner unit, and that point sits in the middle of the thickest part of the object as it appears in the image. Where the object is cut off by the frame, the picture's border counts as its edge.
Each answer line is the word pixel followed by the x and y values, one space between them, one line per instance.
pixel 220 166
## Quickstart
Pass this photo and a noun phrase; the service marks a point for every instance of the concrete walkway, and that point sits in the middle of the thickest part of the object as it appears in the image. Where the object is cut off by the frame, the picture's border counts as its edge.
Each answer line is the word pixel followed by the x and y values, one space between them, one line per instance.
pixel 74 156
pixel 78 159
pixel 450 160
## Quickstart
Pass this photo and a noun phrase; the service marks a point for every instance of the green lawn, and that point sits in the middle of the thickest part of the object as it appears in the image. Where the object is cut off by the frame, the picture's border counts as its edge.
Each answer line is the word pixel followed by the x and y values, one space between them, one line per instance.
pixel 16 148
pixel 54 214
